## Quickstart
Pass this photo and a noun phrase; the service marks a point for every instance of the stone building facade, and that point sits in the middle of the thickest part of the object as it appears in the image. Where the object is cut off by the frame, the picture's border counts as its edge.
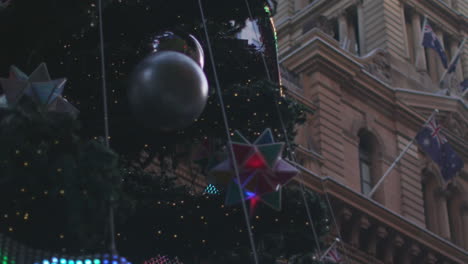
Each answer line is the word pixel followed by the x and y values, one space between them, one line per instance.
pixel 359 64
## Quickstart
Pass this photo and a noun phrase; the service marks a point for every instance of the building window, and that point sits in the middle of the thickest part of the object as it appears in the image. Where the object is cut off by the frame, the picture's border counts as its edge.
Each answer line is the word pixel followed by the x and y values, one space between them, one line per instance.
pixel 410 35
pixel 436 205
pixel 366 160
pixel 346 30
pixel 365 167
pixel 354 31
pixel 428 192
pixel 452 218
pixel 336 29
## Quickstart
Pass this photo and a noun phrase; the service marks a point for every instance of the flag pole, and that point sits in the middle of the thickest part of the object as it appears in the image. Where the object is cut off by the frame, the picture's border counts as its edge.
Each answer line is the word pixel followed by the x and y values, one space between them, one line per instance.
pixel 460 49
pixel 381 180
pixel 421 38
pixel 328 250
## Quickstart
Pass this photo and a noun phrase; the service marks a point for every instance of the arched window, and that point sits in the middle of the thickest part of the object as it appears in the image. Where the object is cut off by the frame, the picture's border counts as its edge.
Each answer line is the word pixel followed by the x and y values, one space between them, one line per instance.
pixel 367 160
pixel 429 186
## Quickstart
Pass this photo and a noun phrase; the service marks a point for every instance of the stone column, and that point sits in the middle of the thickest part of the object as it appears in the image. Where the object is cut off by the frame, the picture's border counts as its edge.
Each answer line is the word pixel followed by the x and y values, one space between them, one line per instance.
pixel 372 248
pixel 464 57
pixel 458 70
pixel 361 23
pixel 391 248
pixel 419 54
pixel 464 216
pixel 355 233
pixel 343 29
pixel 389 251
pixel 432 61
pixel 440 66
pixel 352 38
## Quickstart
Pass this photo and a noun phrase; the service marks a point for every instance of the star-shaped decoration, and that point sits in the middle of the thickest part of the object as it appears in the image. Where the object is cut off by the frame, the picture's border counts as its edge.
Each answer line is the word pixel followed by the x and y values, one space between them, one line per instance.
pixel 262 171
pixel 38 86
pixel 233 196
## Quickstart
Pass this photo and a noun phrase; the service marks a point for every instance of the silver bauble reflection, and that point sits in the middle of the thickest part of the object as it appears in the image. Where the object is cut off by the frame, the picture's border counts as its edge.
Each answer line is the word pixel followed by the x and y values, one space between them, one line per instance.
pixel 183 43
pixel 168 90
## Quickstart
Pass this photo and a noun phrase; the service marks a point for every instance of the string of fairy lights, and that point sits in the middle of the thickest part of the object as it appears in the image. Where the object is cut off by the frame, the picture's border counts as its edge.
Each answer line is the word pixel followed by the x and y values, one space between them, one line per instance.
pixel 12 252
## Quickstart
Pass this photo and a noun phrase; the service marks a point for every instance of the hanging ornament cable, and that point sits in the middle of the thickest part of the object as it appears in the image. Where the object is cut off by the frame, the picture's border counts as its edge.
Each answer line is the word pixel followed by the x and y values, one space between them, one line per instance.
pixel 228 135
pixel 288 144
pixel 293 155
pixel 106 121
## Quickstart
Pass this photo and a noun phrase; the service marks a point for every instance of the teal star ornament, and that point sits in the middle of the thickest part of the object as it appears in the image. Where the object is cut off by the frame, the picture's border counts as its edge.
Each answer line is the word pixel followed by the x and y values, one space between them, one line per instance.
pixel 38 86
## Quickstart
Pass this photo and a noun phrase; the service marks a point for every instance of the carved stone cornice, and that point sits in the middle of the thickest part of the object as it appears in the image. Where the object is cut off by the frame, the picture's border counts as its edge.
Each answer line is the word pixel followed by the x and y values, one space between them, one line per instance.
pixel 382 232
pixel 319 22
pixel 398 240
pixel 451 21
pixel 430 258
pixel 346 213
pixel 414 250
pixel 364 222
pixel 389 224
pixel 377 63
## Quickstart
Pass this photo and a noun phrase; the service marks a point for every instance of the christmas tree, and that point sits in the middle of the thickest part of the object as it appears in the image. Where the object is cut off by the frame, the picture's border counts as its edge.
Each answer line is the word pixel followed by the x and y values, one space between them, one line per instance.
pixel 58 178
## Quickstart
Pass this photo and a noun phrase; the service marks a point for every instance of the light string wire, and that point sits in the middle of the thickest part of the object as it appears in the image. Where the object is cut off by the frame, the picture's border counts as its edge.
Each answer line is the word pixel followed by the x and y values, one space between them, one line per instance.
pixel 106 120
pixel 293 156
pixel 288 144
pixel 228 135
pixel 338 230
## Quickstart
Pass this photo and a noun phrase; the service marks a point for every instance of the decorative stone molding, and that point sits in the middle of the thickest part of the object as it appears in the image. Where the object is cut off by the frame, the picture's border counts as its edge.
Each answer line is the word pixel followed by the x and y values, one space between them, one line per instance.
pixel 415 250
pixel 346 213
pixel 441 192
pixel 431 170
pixel 377 62
pixel 398 241
pixel 456 125
pixel 290 77
pixel 364 222
pixel 382 232
pixel 320 22
pixel 430 258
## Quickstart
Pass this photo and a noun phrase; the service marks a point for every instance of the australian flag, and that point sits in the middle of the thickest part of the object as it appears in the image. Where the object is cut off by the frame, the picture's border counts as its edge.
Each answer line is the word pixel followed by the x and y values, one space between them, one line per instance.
pixel 437 147
pixel 332 255
pixel 430 40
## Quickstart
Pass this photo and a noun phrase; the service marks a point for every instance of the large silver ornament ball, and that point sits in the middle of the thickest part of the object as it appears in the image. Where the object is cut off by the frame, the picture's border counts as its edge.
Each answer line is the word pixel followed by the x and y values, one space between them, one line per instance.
pixel 168 91
pixel 184 43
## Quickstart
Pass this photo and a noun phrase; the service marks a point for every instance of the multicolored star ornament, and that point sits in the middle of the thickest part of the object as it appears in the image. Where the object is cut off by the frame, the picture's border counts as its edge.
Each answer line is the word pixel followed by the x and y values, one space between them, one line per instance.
pixel 262 171
pixel 37 86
